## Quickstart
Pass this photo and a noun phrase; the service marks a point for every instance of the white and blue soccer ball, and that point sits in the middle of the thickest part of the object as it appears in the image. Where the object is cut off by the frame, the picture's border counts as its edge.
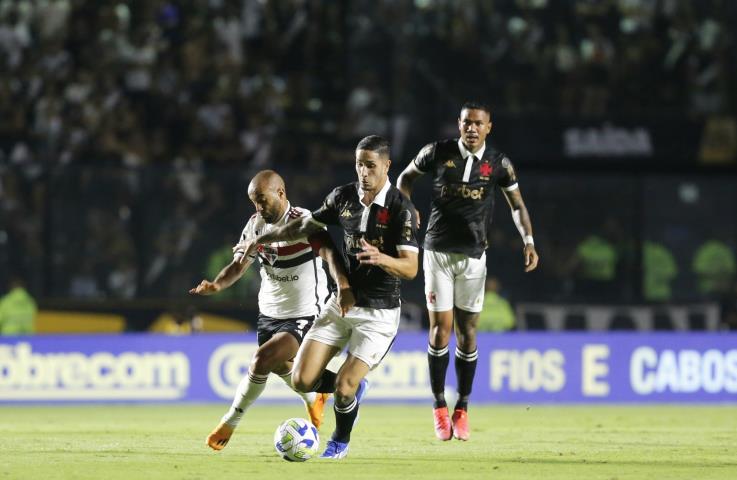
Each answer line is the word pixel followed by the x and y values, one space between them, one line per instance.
pixel 296 440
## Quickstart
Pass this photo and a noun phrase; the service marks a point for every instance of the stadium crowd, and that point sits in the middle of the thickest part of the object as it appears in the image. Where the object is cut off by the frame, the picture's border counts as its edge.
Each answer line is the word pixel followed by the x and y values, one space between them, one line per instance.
pixel 128 129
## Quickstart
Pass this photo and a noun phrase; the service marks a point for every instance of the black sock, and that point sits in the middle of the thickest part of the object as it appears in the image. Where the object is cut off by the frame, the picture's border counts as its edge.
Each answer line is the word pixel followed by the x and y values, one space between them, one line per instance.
pixel 462 405
pixel 326 383
pixel 437 360
pixel 465 370
pixel 345 416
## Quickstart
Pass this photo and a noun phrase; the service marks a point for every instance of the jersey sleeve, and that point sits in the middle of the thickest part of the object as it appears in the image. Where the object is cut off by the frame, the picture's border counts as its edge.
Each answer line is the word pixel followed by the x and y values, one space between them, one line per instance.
pixel 248 232
pixel 508 177
pixel 327 214
pixel 407 231
pixel 425 160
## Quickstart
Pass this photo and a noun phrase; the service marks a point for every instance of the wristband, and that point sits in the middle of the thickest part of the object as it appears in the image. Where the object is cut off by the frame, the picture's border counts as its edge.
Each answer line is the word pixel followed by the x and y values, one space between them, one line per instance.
pixel 529 241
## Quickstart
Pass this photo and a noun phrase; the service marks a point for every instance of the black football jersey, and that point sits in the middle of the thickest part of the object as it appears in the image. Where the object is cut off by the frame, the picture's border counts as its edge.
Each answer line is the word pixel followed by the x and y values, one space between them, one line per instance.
pixel 461 208
pixel 389 224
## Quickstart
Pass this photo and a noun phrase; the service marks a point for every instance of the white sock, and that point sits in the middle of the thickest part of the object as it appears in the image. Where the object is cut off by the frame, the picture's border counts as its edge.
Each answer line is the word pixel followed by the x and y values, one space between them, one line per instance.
pixel 248 391
pixel 308 398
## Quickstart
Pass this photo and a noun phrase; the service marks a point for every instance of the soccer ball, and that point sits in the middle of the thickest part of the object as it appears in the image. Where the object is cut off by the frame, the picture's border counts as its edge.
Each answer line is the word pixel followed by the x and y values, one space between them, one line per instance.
pixel 296 440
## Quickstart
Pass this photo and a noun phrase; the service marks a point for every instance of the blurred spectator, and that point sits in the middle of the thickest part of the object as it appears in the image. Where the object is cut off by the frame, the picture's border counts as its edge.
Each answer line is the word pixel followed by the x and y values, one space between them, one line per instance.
pixel 594 267
pixel 659 269
pixel 17 310
pixel 497 314
pixel 715 267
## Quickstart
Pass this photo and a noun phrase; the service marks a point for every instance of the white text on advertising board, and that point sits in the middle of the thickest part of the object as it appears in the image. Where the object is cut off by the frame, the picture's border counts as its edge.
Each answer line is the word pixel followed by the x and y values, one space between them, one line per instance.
pixel 25 375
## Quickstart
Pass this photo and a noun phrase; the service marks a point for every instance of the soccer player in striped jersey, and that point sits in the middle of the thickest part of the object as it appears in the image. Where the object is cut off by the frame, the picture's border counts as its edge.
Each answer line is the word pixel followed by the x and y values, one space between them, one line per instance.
pixel 466 173
pixel 294 288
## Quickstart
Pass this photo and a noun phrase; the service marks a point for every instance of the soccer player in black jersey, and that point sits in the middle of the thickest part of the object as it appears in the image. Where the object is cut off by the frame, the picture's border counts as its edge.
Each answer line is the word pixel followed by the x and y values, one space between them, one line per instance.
pixel 379 249
pixel 465 173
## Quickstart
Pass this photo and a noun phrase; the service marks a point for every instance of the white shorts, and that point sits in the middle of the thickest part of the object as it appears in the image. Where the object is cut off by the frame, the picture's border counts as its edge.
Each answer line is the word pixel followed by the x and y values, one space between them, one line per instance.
pixel 454 279
pixel 368 332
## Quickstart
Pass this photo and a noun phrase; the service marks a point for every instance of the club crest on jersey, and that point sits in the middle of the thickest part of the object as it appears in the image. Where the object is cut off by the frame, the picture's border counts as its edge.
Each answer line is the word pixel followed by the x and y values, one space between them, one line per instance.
pixel 346 213
pixel 485 171
pixel 267 253
pixel 450 164
pixel 383 216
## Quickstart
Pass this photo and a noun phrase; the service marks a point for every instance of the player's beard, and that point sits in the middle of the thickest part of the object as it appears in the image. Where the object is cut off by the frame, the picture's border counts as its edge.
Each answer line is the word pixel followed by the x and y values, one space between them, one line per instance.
pixel 268 217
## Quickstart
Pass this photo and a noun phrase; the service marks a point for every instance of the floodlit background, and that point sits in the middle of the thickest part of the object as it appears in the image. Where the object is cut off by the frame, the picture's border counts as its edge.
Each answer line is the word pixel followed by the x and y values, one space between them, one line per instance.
pixel 129 132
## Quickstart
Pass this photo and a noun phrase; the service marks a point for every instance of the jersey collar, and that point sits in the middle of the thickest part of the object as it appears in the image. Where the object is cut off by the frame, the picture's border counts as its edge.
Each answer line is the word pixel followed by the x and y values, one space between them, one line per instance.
pixel 380 198
pixel 284 218
pixel 465 152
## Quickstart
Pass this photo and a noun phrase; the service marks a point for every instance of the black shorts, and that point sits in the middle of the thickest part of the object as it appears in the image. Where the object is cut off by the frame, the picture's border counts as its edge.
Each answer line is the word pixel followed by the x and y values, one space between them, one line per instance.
pixel 267 327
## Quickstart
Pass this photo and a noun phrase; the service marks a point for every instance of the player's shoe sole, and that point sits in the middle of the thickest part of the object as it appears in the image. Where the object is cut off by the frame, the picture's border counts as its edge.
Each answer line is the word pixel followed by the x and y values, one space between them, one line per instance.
pixel 443 429
pixel 218 439
pixel 335 450
pixel 460 424
pixel 316 411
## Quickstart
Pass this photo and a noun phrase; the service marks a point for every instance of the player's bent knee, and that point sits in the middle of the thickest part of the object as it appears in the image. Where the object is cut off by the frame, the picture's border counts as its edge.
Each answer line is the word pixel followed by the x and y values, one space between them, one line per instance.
pixel 345 391
pixel 439 337
pixel 302 383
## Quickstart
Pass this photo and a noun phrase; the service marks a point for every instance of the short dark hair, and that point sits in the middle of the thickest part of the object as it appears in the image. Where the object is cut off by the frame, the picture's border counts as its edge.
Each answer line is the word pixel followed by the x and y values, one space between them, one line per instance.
pixel 374 143
pixel 476 105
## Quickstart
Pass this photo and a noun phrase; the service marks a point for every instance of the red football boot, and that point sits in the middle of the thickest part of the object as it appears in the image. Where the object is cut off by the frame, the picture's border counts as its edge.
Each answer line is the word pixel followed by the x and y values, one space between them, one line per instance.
pixel 460 424
pixel 443 429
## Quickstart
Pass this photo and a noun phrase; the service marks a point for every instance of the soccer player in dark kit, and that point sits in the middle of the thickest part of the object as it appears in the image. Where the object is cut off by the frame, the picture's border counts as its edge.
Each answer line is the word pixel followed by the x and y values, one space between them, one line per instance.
pixel 379 249
pixel 465 173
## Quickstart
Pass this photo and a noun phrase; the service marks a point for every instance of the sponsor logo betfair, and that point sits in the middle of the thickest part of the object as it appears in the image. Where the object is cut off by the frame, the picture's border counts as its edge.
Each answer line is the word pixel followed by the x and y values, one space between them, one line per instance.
pixel 282 278
pixel 462 191
pixel 353 243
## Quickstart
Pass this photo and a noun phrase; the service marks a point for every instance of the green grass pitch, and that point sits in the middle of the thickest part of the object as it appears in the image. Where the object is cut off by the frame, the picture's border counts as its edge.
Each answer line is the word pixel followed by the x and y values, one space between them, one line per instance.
pixel 389 442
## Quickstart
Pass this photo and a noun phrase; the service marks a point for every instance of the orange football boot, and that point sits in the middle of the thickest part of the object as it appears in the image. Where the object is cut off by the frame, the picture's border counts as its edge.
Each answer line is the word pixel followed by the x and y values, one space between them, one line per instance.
pixel 218 439
pixel 316 411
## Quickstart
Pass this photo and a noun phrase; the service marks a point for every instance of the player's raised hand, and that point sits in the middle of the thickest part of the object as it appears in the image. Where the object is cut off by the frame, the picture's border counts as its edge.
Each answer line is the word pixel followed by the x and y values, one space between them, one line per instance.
pixel 346 300
pixel 370 254
pixel 531 258
pixel 205 287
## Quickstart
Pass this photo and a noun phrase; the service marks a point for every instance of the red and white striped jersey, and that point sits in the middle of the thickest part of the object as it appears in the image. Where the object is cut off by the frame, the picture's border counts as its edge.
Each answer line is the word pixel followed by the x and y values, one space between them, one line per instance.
pixel 293 280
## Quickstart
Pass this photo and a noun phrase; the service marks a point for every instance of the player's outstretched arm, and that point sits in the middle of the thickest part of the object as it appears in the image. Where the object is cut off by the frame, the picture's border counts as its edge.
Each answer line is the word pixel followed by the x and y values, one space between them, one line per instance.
pixel 404 266
pixel 521 218
pixel 323 244
pixel 301 227
pixel 227 277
